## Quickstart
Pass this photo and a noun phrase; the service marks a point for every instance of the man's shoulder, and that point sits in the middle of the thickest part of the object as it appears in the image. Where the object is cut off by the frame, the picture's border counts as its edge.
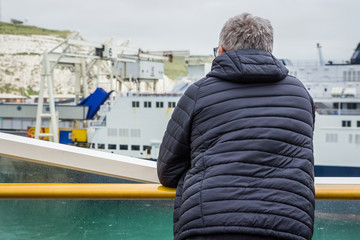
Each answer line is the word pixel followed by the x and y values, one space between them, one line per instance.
pixel 292 79
pixel 201 81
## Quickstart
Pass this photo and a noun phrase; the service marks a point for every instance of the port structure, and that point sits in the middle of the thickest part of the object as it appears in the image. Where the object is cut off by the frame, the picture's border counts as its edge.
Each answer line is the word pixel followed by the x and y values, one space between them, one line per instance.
pixel 89 60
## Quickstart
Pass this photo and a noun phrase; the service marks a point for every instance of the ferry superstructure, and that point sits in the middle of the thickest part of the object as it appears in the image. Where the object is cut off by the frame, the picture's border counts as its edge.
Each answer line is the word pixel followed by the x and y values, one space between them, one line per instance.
pixel 135 123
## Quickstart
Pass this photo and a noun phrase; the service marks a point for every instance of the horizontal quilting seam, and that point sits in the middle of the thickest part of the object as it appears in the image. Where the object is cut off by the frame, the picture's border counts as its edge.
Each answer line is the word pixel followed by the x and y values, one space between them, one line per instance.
pixel 266 188
pixel 250 199
pixel 259 164
pixel 252 107
pixel 219 200
pixel 263 178
pixel 244 227
pixel 273 214
pixel 256 85
pixel 189 188
pixel 284 129
pixel 257 97
pixel 248 86
pixel 164 146
pixel 262 228
pixel 271 139
pixel 239 119
pixel 257 150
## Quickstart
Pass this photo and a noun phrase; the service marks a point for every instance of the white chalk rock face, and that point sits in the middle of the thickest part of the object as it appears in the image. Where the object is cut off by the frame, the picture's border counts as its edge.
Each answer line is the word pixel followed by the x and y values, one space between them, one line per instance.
pixel 20 64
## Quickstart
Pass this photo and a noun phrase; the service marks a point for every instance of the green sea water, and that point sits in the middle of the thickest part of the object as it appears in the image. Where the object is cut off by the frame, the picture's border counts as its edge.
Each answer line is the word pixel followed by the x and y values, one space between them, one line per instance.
pixel 59 220
pixel 126 219
pixel 135 220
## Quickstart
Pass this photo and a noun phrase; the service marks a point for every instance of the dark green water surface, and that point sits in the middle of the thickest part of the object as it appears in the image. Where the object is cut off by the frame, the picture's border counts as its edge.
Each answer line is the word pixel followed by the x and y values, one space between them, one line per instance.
pixel 53 219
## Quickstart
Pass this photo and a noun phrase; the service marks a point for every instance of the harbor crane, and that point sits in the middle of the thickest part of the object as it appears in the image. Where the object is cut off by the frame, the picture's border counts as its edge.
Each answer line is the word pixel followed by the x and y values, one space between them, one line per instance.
pixel 84 57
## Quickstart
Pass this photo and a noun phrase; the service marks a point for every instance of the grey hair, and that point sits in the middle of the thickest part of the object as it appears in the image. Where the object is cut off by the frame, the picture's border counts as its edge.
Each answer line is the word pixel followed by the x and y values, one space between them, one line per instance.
pixel 247 31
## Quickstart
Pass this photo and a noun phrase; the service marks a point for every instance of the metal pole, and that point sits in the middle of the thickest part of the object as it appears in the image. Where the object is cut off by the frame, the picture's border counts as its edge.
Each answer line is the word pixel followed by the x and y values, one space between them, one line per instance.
pixel 98 73
pixel 77 83
pixel 83 76
pixel 54 123
pixel 41 97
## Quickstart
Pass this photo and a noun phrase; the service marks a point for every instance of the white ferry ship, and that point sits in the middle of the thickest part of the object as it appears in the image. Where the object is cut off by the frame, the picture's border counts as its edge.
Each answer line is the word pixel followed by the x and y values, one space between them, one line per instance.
pixel 135 123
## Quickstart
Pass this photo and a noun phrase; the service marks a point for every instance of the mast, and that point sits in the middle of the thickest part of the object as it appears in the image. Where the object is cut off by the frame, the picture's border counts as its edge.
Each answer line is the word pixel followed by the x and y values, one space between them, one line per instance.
pixel 321 60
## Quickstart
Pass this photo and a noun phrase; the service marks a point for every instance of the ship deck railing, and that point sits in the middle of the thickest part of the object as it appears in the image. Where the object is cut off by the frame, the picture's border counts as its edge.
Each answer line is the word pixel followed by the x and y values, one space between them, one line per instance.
pixel 142 173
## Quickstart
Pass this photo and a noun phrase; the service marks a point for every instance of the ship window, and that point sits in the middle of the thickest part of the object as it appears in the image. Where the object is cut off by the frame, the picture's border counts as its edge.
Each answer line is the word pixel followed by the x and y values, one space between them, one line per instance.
pixel 346 123
pixel 331 137
pixel 135 147
pixel 135 104
pixel 146 147
pixel 101 146
pixel 358 77
pixel 123 147
pixel 325 89
pixel 350 138
pixel 352 106
pixel 171 104
pixel 147 104
pixel 112 146
pixel 358 123
pixel 93 145
pixel 159 104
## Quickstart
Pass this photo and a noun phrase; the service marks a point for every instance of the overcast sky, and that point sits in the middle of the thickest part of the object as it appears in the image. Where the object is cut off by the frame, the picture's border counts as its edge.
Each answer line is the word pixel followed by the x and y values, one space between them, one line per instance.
pixel 195 24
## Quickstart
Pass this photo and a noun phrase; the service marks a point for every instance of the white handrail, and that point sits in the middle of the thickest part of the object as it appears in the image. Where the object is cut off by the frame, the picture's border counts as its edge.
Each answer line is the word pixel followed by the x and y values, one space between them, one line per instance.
pixel 77 158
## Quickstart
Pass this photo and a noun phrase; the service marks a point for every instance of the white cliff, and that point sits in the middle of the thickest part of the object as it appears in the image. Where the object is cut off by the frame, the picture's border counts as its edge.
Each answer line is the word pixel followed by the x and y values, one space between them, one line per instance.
pixel 20 64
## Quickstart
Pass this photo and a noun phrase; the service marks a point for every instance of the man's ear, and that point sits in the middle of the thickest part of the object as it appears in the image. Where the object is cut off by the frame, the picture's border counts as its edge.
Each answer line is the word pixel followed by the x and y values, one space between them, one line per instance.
pixel 221 50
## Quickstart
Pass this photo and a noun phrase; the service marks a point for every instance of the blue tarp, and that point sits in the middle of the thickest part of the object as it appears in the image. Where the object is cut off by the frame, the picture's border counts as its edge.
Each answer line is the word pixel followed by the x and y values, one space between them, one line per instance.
pixel 94 101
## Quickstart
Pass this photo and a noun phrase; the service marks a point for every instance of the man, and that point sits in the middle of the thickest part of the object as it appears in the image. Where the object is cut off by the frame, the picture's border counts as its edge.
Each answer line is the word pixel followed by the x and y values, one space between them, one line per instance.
pixel 239 145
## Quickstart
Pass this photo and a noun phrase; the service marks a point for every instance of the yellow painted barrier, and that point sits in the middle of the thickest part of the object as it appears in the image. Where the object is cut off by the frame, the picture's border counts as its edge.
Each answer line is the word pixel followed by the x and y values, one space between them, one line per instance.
pixel 337 192
pixel 136 191
pixel 84 191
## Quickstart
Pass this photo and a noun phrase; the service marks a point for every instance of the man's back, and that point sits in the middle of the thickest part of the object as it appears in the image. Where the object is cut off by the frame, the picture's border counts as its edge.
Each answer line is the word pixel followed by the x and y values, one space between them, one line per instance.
pixel 243 137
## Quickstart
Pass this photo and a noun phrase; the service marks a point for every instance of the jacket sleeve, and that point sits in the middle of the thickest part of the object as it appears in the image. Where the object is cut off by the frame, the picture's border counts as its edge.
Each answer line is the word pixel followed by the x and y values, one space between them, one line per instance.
pixel 174 155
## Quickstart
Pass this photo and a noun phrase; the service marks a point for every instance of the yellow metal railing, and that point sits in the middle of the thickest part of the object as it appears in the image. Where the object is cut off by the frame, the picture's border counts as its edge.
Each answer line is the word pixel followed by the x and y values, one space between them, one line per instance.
pixel 137 191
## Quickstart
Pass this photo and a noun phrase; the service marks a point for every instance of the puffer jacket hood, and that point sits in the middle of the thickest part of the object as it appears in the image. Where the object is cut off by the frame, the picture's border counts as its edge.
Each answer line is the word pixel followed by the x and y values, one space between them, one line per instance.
pixel 248 66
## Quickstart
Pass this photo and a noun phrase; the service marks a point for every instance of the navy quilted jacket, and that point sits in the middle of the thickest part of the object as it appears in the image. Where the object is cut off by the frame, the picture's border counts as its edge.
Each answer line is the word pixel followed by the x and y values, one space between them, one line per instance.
pixel 239 150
